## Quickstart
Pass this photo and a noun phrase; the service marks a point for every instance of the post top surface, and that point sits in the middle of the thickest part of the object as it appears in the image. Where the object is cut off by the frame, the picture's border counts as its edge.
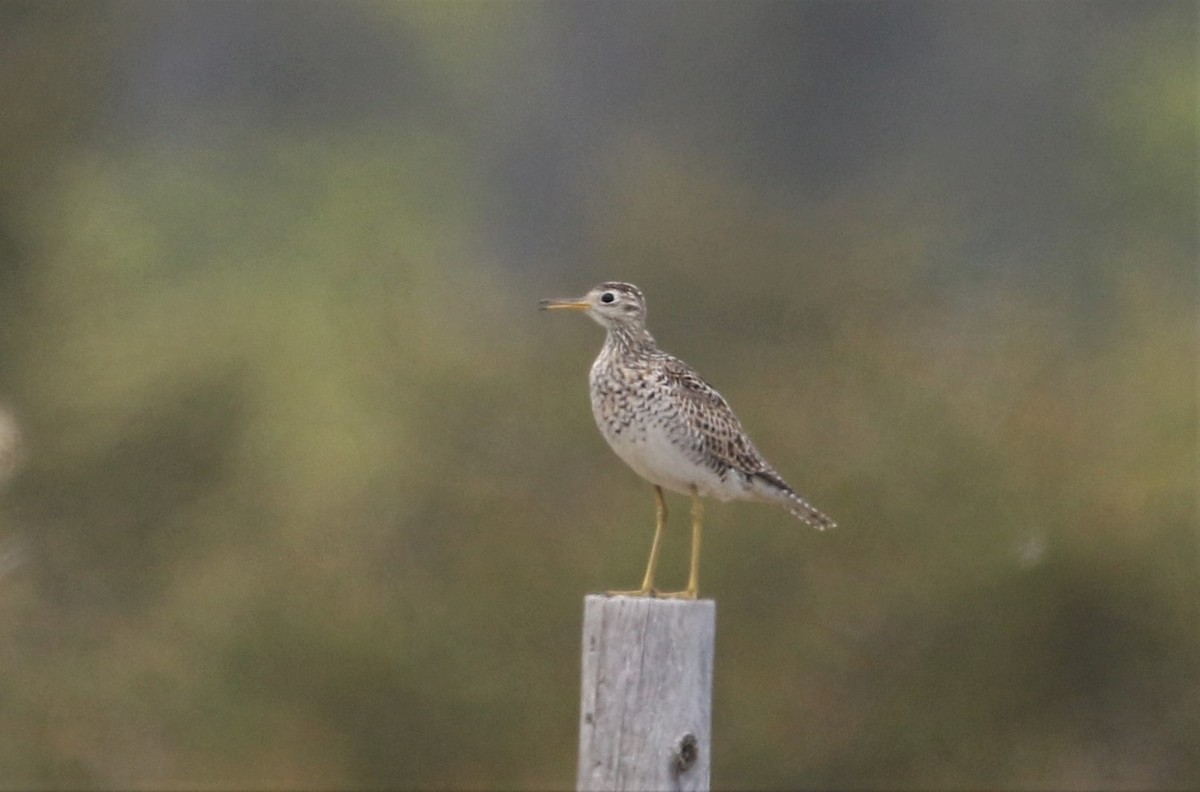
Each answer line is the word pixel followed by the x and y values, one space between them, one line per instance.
pixel 649 602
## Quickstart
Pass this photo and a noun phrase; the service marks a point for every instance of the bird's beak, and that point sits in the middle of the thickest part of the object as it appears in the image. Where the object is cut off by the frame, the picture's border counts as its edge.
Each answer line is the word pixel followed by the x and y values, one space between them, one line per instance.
pixel 564 305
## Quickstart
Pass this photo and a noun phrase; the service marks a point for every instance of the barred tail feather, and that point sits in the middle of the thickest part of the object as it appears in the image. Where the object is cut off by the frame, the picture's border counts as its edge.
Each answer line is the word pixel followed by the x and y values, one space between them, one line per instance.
pixel 808 513
pixel 770 487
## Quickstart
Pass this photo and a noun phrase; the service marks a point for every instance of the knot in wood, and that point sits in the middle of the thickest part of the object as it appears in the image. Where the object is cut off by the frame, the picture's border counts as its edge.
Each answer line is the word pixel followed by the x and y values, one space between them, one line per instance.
pixel 685 751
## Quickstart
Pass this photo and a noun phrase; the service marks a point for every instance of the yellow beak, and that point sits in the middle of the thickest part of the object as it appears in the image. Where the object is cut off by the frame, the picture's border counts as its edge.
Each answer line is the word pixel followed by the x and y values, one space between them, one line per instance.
pixel 564 305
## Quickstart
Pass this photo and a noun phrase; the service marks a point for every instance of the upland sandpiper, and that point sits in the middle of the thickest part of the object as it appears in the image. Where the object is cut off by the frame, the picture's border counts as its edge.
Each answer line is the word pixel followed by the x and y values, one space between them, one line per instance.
pixel 671 426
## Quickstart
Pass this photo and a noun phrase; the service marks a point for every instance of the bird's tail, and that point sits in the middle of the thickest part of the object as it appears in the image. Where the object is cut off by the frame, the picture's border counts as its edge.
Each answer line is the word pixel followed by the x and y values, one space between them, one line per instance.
pixel 771 487
pixel 806 512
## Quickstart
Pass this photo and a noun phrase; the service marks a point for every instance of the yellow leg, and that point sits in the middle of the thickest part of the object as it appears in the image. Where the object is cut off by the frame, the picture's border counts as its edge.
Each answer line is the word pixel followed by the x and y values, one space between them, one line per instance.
pixel 693 585
pixel 660 522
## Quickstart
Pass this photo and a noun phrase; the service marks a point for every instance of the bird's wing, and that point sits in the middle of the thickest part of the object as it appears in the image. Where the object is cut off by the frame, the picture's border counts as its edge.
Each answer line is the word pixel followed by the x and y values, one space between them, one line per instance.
pixel 723 438
pixel 713 420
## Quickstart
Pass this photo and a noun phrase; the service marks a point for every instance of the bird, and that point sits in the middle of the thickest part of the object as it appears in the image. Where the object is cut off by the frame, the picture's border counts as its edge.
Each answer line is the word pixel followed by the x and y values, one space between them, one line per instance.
pixel 671 427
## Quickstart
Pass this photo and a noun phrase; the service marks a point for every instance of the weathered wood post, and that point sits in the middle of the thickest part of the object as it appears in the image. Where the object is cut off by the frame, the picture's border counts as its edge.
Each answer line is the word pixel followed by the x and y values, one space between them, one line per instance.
pixel 645 721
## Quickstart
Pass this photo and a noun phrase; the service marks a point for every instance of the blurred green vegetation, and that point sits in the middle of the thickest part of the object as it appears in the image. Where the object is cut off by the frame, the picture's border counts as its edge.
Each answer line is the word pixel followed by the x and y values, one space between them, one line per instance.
pixel 308 494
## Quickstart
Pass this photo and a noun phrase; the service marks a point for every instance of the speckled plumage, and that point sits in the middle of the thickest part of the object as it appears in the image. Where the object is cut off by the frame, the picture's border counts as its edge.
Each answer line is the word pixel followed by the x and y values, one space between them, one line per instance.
pixel 669 425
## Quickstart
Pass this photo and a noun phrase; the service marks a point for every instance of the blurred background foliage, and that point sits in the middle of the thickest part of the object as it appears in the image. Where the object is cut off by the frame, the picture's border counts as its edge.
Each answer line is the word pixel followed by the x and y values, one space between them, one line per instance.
pixel 301 491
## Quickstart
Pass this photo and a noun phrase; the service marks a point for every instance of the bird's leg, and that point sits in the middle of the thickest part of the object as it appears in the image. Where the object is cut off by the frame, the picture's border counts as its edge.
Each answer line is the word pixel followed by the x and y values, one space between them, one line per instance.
pixel 660 522
pixel 693 584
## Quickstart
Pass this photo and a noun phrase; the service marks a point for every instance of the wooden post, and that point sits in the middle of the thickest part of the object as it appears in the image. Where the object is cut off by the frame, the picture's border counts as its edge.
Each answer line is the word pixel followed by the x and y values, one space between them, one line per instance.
pixel 645 721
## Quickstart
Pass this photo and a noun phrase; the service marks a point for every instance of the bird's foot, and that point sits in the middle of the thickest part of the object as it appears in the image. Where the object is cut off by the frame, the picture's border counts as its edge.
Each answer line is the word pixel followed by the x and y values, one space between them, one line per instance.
pixel 688 594
pixel 637 593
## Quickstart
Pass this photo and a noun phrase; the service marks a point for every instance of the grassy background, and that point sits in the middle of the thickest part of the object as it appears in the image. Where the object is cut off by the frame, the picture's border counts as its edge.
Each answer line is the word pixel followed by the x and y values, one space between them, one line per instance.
pixel 307 494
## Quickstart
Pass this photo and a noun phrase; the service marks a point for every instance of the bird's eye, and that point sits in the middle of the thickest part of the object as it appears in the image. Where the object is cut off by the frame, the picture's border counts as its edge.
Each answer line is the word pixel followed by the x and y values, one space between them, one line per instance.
pixel 607 297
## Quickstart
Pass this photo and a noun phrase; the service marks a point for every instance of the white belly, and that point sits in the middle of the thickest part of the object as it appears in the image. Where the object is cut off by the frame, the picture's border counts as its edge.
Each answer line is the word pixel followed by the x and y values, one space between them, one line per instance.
pixel 655 458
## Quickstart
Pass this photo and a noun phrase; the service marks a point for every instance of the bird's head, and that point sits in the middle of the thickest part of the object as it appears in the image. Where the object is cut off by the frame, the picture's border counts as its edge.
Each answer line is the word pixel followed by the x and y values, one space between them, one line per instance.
pixel 614 305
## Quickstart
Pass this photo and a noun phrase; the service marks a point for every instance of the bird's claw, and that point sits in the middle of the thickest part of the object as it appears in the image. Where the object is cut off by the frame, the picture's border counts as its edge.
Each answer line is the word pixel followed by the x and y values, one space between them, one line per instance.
pixel 654 594
pixel 638 593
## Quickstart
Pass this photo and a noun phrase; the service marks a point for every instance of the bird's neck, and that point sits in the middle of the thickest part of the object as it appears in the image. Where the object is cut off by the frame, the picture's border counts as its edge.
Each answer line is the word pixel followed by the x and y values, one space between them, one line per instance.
pixel 627 339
